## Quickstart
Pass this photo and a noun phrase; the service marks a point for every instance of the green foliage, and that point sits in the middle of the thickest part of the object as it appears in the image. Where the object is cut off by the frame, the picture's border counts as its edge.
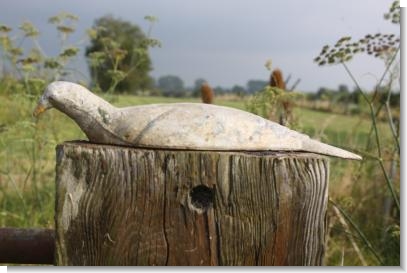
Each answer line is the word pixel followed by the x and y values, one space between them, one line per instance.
pixel 27 153
pixel 269 103
pixel 394 13
pixel 27 159
pixel 26 168
pixel 118 55
pixel 29 30
pixel 31 65
pixel 391 243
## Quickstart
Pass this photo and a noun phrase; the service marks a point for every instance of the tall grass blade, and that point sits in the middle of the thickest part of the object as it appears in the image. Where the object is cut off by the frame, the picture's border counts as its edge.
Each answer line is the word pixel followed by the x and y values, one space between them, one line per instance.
pixel 359 231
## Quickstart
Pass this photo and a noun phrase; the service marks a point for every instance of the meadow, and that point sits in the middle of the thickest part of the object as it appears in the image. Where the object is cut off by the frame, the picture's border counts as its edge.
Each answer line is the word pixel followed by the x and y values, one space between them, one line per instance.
pixel 27 162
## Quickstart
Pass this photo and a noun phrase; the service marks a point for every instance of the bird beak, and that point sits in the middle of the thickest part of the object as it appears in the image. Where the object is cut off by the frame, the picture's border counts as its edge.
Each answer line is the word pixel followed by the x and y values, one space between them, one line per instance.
pixel 39 109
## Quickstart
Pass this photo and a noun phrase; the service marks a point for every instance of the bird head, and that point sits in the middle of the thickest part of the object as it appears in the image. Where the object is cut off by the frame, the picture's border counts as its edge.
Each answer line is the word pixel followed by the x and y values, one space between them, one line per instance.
pixel 42 105
pixel 50 95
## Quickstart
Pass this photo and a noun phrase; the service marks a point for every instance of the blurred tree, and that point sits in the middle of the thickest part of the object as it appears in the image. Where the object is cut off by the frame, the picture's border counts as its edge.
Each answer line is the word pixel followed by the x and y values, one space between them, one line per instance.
pixel 196 92
pixel 255 85
pixel 118 55
pixel 238 90
pixel 343 88
pixel 219 90
pixel 343 94
pixel 355 96
pixel 171 86
pixel 324 93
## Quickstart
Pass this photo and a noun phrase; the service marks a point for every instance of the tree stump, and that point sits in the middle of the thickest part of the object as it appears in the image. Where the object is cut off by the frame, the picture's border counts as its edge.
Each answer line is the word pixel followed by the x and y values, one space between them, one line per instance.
pixel 136 206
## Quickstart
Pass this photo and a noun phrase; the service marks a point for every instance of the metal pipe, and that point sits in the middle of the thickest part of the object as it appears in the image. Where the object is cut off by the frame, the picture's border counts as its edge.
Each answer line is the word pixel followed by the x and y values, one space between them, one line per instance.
pixel 27 246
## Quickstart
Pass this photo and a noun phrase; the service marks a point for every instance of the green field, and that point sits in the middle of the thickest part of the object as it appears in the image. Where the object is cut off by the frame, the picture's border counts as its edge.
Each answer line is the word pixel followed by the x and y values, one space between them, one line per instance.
pixel 27 162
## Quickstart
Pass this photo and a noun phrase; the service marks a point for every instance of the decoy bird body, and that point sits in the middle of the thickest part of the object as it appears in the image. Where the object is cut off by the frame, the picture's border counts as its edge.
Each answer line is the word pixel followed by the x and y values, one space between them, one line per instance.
pixel 193 126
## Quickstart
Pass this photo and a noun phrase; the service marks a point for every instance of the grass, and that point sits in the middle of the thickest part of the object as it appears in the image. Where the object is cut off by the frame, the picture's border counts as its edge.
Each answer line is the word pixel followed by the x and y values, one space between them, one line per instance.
pixel 27 162
pixel 337 129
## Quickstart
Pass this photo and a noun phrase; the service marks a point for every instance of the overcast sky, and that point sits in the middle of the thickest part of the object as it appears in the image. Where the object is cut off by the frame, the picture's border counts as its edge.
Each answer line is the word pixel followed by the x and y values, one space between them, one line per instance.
pixel 227 42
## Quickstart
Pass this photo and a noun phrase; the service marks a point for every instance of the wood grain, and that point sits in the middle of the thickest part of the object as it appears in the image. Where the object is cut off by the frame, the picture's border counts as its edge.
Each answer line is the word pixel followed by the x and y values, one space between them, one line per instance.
pixel 130 206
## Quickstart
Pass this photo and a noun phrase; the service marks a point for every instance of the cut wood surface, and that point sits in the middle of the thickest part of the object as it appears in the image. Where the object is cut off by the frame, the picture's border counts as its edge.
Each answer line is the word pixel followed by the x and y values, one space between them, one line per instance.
pixel 130 206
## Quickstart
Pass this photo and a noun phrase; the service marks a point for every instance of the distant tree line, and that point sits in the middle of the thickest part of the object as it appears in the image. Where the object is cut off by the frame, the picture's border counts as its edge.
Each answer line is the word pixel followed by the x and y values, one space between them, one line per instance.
pixel 344 95
pixel 173 86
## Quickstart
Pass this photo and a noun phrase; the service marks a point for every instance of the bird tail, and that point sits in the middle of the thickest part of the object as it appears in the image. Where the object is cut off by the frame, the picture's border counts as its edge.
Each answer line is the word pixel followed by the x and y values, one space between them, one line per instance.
pixel 322 148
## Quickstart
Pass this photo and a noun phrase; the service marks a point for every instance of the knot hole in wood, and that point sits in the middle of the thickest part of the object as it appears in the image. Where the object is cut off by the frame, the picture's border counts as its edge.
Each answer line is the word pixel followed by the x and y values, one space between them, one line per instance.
pixel 200 198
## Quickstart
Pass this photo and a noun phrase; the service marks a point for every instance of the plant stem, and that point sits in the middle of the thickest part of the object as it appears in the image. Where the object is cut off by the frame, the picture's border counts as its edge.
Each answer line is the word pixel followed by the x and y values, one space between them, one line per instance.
pixel 350 237
pixel 393 130
pixel 374 124
pixel 359 231
pixel 371 108
pixel 390 184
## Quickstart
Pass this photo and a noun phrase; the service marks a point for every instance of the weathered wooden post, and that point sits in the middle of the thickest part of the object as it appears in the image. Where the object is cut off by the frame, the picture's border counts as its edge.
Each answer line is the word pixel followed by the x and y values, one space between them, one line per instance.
pixel 212 186
pixel 131 206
